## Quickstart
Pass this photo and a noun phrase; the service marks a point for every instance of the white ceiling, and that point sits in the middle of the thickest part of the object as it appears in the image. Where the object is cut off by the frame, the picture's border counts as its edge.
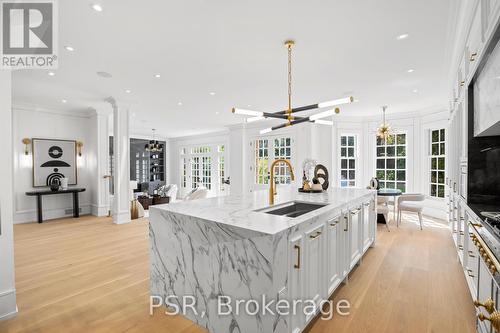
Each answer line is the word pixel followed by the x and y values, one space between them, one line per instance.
pixel 235 49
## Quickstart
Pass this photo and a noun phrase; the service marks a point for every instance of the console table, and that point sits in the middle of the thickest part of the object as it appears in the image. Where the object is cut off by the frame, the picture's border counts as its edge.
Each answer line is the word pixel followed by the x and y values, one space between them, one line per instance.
pixel 40 194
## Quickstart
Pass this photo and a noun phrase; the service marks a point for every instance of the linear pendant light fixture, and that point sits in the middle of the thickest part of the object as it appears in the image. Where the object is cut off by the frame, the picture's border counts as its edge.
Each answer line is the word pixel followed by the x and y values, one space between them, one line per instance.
pixel 288 114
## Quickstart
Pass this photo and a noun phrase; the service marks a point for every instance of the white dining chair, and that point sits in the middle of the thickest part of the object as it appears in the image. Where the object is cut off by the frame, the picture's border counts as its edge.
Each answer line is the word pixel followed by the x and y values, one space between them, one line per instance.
pixel 410 203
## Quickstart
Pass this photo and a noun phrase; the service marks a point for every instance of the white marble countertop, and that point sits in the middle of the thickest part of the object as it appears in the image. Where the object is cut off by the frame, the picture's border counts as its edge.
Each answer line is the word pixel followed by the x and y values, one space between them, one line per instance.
pixel 239 211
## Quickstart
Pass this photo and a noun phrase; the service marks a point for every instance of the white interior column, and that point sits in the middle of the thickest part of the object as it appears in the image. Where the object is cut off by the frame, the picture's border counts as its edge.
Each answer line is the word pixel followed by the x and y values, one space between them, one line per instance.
pixel 121 153
pixel 100 136
pixel 8 306
pixel 237 159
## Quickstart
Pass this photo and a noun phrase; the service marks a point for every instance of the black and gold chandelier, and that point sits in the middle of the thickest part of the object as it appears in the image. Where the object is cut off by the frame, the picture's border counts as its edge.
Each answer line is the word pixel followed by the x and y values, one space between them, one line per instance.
pixel 153 145
pixel 288 114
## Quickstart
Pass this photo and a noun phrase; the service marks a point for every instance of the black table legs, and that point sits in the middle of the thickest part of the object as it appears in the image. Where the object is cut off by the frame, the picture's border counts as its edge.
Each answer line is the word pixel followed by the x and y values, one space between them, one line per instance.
pixel 76 205
pixel 39 208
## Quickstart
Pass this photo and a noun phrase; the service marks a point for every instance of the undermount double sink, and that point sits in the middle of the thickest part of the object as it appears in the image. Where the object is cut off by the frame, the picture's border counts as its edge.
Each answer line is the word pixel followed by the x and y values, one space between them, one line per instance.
pixel 292 208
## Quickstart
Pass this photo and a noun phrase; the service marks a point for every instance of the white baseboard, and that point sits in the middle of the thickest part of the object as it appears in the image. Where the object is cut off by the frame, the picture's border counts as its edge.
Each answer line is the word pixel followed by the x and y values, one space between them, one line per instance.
pixel 122 217
pixel 8 307
pixel 30 215
pixel 100 210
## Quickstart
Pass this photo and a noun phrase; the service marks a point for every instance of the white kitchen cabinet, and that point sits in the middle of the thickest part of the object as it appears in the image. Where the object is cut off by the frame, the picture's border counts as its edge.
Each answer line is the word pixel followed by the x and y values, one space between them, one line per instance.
pixel 355 236
pixel 296 280
pixel 314 287
pixel 368 223
pixel 335 252
pixel 475 39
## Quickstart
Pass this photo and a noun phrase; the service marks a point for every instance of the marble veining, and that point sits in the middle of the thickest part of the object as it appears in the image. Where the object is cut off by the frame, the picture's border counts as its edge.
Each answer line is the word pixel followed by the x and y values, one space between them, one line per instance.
pixel 220 247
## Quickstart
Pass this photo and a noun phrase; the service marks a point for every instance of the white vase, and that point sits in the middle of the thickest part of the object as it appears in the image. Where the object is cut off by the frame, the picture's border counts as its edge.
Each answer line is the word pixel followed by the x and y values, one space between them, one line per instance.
pixel 64 183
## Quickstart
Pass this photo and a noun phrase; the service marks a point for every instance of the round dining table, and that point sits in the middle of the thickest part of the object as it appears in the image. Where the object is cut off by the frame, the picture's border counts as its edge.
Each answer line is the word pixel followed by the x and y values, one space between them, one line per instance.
pixel 390 192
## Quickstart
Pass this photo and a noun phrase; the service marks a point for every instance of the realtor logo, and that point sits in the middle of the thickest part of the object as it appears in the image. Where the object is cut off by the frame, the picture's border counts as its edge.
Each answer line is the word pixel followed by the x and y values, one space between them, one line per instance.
pixel 29 31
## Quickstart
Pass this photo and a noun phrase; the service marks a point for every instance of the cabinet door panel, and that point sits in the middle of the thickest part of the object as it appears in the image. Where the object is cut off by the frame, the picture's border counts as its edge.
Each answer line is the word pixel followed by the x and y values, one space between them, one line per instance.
pixel 355 236
pixel 367 239
pixel 314 285
pixel 334 253
pixel 296 281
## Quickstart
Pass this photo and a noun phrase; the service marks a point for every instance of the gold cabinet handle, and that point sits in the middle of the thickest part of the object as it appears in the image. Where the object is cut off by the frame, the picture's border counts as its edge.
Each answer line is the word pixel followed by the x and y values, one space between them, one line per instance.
pixel 471 254
pixel 494 319
pixel 334 223
pixel 473 56
pixel 318 233
pixel 346 223
pixel 354 212
pixel 477 225
pixel 469 272
pixel 460 247
pixel 107 176
pixel 488 305
pixel 297 265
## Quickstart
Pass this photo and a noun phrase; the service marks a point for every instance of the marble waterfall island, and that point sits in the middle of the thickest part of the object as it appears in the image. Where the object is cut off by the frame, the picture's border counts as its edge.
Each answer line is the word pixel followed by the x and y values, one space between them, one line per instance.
pixel 219 250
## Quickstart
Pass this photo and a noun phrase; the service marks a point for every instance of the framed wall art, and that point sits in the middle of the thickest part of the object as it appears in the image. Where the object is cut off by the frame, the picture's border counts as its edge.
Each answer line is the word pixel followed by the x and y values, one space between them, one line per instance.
pixel 53 160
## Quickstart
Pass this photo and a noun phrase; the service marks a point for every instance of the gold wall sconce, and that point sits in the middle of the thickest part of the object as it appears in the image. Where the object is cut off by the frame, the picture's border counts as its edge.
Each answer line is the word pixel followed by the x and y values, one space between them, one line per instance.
pixel 26 143
pixel 79 146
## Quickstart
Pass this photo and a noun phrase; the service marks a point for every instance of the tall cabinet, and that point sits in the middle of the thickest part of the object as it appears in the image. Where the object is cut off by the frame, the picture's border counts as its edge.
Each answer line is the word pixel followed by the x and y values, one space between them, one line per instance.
pixel 478 262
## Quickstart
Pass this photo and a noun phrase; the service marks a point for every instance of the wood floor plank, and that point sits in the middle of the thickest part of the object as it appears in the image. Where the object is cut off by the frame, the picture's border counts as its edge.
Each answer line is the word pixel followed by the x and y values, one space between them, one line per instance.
pixel 90 275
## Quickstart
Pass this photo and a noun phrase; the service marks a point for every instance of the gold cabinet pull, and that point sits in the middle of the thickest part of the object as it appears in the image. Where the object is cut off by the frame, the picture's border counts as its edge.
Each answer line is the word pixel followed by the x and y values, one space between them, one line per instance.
pixel 473 56
pixel 318 233
pixel 494 319
pixel 477 225
pixel 334 223
pixel 488 305
pixel 346 224
pixel 471 254
pixel 297 265
pixel 469 272
pixel 460 247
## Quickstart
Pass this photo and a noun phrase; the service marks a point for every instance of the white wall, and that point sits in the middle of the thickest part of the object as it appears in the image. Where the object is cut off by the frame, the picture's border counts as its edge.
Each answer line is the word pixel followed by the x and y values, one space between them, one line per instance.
pixel 30 123
pixel 7 286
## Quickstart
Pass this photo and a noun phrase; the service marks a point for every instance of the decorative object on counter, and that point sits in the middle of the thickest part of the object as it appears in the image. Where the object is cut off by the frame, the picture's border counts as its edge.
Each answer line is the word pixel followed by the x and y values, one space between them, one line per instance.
pixel 321 173
pixel 288 113
pixel 64 183
pixel 54 185
pixel 374 184
pixel 53 159
pixel 316 186
pixel 26 143
pixel 308 168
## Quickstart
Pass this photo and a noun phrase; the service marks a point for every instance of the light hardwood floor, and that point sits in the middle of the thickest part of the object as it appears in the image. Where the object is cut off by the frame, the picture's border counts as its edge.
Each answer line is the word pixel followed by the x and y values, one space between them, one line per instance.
pixel 90 275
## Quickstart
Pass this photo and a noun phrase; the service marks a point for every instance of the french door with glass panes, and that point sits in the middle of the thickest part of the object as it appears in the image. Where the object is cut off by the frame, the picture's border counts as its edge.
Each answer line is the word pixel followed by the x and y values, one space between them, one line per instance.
pixel 204 166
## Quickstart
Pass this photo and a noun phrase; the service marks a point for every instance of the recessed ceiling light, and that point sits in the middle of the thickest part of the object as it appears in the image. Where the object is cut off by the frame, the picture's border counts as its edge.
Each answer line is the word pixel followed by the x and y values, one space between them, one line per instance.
pixel 128 91
pixel 157 76
pixel 104 75
pixel 97 7
pixel 64 101
pixel 69 48
pixel 249 105
pixel 180 103
pixel 415 91
pixel 217 112
pixel 401 37
pixel 212 93
pixel 411 70
pixel 51 73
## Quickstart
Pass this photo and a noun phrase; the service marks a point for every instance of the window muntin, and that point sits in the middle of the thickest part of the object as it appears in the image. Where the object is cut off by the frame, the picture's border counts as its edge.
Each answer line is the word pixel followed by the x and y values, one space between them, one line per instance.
pixel 391 162
pixel 348 161
pixel 437 163
pixel 266 151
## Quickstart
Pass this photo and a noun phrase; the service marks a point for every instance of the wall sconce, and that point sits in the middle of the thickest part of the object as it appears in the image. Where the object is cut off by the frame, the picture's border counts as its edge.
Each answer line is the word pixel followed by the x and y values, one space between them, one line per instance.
pixel 26 143
pixel 79 146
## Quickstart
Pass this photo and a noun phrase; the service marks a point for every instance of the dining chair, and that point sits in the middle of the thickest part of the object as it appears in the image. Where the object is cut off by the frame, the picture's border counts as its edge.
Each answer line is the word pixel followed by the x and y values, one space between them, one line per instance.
pixel 410 203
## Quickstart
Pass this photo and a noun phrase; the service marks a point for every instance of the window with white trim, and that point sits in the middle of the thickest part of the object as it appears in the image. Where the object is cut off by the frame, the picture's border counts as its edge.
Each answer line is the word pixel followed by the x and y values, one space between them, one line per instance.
pixel 437 163
pixel 391 162
pixel 348 160
pixel 266 151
